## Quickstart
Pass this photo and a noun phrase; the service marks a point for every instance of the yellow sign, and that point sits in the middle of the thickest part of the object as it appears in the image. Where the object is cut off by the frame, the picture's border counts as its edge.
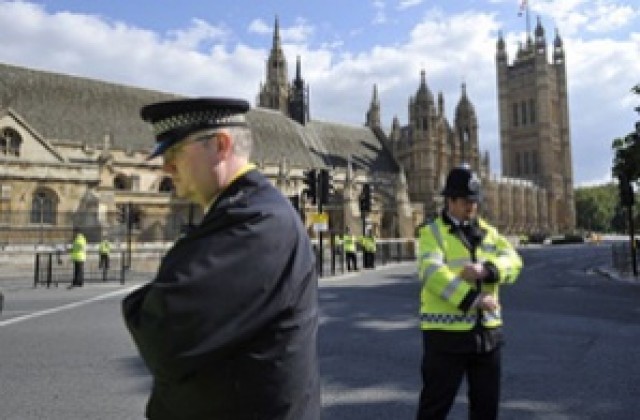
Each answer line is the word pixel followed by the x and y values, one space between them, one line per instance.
pixel 320 222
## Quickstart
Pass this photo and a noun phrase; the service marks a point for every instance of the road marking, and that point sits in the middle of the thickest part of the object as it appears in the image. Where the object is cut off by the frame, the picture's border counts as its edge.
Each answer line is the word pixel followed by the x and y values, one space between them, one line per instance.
pixel 66 307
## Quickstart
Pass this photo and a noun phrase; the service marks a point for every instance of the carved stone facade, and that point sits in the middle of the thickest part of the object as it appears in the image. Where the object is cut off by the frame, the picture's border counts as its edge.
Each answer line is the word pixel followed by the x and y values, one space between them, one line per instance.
pixel 73 153
pixel 534 125
pixel 535 193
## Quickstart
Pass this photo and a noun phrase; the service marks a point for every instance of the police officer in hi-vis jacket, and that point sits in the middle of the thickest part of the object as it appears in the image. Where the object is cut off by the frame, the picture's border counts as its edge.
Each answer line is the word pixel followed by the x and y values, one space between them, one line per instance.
pixel 463 261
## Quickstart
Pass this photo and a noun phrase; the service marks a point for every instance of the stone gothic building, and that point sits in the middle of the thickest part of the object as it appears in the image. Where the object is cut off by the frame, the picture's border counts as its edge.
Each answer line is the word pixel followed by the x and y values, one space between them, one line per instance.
pixel 535 137
pixel 73 153
pixel 535 192
pixel 276 93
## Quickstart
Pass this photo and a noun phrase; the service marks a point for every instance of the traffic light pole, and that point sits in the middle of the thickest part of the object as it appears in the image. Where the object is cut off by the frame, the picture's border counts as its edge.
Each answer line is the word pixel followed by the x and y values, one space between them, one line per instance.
pixel 634 263
pixel 129 231
pixel 320 248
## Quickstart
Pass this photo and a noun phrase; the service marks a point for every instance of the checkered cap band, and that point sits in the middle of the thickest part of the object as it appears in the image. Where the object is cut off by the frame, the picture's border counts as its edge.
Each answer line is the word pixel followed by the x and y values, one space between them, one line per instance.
pixel 213 117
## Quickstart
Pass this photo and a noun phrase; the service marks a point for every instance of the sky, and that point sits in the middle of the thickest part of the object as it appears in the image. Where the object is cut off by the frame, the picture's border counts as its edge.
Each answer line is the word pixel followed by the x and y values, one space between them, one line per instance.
pixel 219 48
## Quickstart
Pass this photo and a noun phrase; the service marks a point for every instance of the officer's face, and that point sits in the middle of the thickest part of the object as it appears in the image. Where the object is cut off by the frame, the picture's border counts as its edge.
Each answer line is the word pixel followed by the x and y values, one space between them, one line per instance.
pixel 191 163
pixel 462 208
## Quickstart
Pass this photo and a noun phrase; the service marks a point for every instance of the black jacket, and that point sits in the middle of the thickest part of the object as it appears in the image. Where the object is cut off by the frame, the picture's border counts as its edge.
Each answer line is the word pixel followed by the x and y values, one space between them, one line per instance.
pixel 228 327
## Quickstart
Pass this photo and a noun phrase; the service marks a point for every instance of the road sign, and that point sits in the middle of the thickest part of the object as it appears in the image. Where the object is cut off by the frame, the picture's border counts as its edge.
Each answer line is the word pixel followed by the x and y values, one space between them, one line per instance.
pixel 320 222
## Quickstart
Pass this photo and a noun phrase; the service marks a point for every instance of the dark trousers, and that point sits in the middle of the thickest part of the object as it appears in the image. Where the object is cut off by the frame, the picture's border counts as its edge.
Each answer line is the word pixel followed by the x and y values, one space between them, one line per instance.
pixel 369 259
pixel 352 261
pixel 442 374
pixel 103 263
pixel 78 273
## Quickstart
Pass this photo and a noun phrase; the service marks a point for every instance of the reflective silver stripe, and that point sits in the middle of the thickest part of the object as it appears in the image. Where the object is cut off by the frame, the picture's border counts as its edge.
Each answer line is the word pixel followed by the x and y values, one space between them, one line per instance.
pixel 436 234
pixel 436 256
pixel 459 262
pixel 492 248
pixel 430 270
pixel 451 288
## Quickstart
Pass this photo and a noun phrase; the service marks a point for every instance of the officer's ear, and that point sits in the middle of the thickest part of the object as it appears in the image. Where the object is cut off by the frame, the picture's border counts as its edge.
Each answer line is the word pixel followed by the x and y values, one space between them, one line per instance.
pixel 223 144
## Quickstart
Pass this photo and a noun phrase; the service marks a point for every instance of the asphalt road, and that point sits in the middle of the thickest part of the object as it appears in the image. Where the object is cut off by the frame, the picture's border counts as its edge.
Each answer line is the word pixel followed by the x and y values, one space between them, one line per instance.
pixel 572 346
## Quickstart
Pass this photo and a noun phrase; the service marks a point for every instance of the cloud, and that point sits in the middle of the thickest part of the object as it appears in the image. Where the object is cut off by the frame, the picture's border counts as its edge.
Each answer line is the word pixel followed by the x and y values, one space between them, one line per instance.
pixel 380 16
pixel 577 16
pixel 298 33
pixel 204 59
pixel 407 4
pixel 260 27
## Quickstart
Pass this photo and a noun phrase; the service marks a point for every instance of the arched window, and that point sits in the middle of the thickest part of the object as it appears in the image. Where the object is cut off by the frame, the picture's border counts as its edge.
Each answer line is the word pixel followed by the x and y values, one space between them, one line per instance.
pixel 166 185
pixel 10 142
pixel 43 207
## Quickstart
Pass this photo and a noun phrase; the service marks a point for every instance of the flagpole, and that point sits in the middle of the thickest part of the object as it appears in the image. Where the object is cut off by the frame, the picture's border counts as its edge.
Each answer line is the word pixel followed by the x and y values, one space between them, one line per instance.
pixel 528 21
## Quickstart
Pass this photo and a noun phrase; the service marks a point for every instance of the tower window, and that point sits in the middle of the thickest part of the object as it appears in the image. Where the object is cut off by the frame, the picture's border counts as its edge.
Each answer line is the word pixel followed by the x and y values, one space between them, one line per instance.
pixel 515 114
pixel 534 162
pixel 524 112
pixel 532 111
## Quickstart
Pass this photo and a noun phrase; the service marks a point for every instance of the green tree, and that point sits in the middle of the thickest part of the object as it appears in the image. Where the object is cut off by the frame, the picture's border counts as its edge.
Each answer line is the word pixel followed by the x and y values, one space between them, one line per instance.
pixel 626 160
pixel 596 207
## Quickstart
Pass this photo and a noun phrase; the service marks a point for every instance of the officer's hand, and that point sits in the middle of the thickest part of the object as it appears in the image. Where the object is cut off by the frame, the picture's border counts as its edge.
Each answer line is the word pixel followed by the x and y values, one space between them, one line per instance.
pixel 487 302
pixel 473 272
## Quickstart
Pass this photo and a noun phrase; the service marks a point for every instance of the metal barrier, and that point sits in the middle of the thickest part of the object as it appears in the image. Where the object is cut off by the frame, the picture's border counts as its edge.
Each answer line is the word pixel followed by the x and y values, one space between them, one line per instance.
pixel 332 261
pixel 51 268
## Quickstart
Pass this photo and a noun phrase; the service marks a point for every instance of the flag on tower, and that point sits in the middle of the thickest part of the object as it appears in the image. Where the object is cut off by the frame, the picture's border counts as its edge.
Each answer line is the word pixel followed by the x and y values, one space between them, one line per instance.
pixel 523 6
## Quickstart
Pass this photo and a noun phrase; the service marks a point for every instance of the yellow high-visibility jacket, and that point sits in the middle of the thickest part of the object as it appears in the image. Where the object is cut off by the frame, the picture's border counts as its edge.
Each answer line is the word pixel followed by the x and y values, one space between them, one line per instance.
pixel 349 242
pixel 368 243
pixel 446 299
pixel 104 247
pixel 79 248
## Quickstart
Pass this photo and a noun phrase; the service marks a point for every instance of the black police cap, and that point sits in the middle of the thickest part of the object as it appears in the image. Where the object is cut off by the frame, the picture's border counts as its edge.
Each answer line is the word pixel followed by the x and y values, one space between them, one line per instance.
pixel 462 182
pixel 172 121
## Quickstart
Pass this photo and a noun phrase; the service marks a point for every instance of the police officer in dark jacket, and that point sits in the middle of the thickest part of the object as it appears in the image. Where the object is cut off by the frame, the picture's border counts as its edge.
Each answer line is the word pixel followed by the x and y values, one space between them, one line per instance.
pixel 228 327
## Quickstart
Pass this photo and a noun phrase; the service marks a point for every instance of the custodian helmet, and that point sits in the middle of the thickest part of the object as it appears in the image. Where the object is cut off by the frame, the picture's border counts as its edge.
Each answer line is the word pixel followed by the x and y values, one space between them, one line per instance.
pixel 462 182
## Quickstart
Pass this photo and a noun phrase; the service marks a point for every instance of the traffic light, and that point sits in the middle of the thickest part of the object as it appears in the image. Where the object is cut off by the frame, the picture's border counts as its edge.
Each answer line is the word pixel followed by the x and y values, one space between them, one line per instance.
pixel 627 197
pixel 134 216
pixel 325 186
pixel 121 213
pixel 311 182
pixel 365 199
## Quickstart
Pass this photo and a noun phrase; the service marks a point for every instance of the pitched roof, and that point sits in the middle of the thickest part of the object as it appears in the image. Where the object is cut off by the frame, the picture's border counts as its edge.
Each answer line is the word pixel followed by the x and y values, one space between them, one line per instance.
pixel 67 109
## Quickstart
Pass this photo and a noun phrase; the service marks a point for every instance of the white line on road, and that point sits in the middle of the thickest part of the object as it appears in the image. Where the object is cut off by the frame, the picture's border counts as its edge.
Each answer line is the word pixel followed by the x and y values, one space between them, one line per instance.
pixel 65 307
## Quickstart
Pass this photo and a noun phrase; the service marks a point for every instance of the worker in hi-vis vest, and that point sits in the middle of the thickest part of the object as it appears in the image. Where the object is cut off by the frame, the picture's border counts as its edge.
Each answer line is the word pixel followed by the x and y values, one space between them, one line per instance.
pixel 350 246
pixel 78 256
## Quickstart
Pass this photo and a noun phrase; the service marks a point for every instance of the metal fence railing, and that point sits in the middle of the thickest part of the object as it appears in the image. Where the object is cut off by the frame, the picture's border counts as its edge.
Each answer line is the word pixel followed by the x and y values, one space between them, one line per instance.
pixel 54 229
pixel 332 260
pixel 53 266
